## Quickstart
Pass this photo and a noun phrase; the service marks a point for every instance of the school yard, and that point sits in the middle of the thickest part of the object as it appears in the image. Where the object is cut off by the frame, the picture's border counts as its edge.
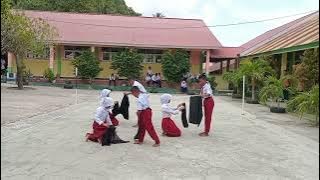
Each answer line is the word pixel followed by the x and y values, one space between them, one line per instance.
pixel 42 137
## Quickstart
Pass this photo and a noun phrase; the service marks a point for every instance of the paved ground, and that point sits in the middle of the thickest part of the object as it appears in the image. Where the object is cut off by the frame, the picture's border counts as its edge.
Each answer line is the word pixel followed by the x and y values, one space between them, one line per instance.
pixel 42 137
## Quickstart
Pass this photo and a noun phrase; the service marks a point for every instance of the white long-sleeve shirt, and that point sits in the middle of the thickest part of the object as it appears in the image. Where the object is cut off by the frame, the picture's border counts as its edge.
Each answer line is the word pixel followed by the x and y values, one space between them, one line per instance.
pixel 140 86
pixel 206 90
pixel 143 101
pixel 102 115
pixel 167 111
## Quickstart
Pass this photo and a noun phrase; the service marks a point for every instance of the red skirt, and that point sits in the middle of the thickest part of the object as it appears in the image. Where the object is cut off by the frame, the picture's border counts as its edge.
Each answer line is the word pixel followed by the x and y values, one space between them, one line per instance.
pixel 98 131
pixel 114 120
pixel 169 128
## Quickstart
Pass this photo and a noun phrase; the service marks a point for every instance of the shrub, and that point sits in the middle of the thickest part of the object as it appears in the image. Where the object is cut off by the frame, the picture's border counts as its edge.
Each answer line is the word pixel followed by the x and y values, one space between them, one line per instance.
pixel 128 63
pixel 175 63
pixel 306 102
pixel 88 65
pixel 48 74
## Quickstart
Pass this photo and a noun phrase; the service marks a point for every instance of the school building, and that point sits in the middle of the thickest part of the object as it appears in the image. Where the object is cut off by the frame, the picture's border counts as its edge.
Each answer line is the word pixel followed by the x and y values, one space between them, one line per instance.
pixel 285 44
pixel 107 34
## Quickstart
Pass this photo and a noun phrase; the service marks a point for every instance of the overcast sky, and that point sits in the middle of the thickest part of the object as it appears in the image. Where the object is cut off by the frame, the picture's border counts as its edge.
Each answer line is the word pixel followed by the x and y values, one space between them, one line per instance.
pixel 215 12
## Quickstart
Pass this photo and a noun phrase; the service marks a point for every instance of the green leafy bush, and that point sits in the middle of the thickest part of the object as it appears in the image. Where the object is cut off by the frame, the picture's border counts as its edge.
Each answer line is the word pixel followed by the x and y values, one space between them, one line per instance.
pixel 175 63
pixel 128 63
pixel 306 102
pixel 88 65
pixel 48 74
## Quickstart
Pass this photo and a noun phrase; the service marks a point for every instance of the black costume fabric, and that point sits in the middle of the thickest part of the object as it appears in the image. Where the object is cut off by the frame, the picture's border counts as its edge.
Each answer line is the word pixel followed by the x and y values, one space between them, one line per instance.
pixel 195 110
pixel 116 109
pixel 184 116
pixel 124 107
pixel 111 137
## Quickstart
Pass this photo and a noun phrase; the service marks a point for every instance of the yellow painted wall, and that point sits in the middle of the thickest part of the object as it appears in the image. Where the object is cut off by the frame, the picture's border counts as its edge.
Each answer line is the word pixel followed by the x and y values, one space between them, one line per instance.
pixel 195 68
pixel 106 70
pixel 156 68
pixel 36 66
pixel 66 68
pixel 221 84
pixel 14 65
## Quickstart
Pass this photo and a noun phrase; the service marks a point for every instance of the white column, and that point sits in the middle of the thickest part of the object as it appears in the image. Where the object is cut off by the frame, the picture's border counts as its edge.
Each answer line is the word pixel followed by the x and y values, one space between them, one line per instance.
pixel 207 62
pixel 51 60
pixel 92 48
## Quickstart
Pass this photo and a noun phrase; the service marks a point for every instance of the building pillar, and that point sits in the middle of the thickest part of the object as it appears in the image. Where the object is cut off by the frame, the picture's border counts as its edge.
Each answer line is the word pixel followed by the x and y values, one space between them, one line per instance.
pixel 92 48
pixel 207 62
pixel 51 59
pixel 10 60
pixel 284 62
pixel 228 65
pixel 221 67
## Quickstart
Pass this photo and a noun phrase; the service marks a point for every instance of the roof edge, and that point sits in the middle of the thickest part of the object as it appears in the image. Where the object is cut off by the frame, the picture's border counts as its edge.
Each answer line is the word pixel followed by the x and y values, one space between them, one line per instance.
pixel 117 15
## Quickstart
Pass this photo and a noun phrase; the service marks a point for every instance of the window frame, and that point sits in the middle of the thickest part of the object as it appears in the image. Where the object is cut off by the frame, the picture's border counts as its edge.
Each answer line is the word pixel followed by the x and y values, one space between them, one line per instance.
pixel 73 50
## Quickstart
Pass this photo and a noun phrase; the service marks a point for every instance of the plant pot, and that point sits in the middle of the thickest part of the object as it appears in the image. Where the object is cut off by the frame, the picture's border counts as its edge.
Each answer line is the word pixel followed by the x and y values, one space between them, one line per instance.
pixel 249 101
pixel 277 109
pixel 236 96
pixel 68 86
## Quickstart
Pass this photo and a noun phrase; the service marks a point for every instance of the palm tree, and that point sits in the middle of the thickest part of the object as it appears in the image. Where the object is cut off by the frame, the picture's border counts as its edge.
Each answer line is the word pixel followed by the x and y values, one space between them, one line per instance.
pixel 235 78
pixel 256 70
pixel 158 15
pixel 306 102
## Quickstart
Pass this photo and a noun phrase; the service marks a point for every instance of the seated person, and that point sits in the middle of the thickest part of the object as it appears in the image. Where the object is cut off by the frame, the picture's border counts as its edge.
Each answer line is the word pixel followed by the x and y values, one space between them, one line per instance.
pixel 184 86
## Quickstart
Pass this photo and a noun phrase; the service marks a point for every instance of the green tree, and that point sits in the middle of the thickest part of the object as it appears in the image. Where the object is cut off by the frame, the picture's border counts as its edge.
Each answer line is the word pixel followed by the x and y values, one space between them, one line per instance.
pixel 235 78
pixel 274 89
pixel 20 35
pixel 88 65
pixel 128 63
pixel 81 6
pixel 307 71
pixel 175 63
pixel 306 102
pixel 256 71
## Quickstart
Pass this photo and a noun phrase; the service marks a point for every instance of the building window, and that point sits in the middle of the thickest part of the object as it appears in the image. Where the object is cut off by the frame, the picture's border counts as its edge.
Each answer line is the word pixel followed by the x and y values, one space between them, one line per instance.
pixel 42 56
pixel 151 55
pixel 108 53
pixel 71 52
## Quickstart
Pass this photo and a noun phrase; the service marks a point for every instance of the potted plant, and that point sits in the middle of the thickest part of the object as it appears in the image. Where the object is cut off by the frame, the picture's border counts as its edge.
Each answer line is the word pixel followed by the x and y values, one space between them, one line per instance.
pixel 256 71
pixel 273 90
pixel 49 75
pixel 306 102
pixel 67 85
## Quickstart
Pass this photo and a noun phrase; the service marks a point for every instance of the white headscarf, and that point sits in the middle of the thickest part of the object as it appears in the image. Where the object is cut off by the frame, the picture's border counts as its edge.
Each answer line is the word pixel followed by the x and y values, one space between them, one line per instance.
pixel 105 93
pixel 106 102
pixel 165 98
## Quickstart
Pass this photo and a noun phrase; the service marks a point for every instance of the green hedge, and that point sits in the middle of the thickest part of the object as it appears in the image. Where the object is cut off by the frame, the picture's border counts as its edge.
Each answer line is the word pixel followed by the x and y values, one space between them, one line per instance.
pixel 113 88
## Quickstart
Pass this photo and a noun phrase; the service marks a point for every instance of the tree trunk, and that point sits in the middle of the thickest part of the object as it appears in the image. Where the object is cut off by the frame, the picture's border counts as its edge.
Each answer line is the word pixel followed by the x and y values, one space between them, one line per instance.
pixel 253 84
pixel 19 72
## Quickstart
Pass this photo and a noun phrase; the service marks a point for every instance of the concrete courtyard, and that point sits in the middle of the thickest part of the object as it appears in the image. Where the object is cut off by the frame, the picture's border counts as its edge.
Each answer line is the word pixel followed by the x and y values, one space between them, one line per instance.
pixel 43 129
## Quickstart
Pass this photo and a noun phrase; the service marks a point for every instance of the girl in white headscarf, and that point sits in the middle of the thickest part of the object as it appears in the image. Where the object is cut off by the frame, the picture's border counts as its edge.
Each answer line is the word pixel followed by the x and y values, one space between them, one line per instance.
pixel 106 93
pixel 169 128
pixel 101 120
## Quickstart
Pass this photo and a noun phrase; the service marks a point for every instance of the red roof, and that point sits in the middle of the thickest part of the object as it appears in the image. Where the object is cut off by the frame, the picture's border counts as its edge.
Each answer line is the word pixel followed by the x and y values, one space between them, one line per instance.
pixel 111 30
pixel 298 26
pixel 226 52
